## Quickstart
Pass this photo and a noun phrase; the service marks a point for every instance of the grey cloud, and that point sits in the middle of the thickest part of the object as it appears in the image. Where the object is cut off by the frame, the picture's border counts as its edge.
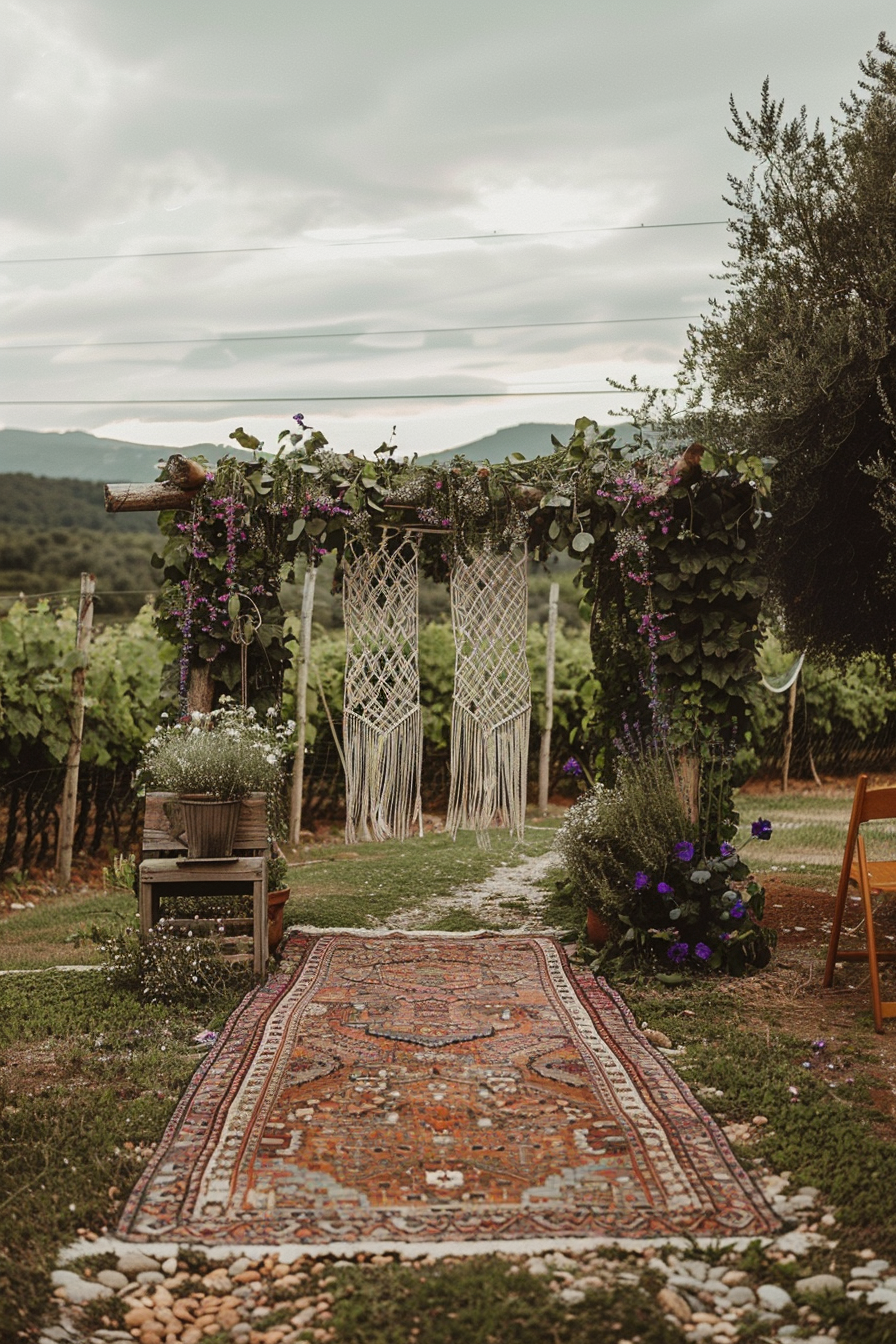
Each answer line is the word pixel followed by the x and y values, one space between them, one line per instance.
pixel 130 126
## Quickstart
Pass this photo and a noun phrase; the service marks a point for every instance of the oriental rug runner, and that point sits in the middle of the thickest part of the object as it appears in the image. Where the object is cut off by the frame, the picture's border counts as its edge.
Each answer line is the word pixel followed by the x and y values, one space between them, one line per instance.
pixel 421 1088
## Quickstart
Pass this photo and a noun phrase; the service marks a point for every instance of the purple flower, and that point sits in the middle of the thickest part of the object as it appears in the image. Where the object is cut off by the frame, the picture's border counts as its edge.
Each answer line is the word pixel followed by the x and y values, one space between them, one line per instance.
pixel 678 952
pixel 726 850
pixel 572 767
pixel 738 910
pixel 299 419
pixel 819 1044
pixel 761 830
pixel 724 937
pixel 684 850
pixel 702 951
pixel 642 880
pixel 664 889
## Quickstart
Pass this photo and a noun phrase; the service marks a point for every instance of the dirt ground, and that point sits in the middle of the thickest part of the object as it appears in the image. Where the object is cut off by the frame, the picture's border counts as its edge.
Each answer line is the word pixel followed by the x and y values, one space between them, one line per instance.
pixel 841 1015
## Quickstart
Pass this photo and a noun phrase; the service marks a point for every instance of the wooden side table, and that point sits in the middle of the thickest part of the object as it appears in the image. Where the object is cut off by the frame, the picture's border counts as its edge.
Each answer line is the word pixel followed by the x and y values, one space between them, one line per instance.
pixel 244 874
pixel 166 870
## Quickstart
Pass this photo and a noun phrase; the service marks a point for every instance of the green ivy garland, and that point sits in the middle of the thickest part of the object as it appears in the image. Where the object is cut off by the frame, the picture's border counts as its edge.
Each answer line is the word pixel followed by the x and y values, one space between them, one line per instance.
pixel 669 564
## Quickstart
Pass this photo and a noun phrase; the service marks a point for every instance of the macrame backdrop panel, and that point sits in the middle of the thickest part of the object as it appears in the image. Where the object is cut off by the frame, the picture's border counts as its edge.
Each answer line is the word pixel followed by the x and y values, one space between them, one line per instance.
pixel 382 727
pixel 492 705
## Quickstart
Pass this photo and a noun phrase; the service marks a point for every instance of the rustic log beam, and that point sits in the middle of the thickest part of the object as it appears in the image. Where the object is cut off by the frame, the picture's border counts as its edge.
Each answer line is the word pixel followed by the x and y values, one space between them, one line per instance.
pixel 147 497
pixel 185 476
pixel 188 475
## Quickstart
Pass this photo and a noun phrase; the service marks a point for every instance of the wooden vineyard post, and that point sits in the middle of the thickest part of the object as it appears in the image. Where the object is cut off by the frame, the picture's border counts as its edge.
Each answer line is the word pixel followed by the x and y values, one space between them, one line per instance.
pixel 788 733
pixel 544 758
pixel 76 720
pixel 304 661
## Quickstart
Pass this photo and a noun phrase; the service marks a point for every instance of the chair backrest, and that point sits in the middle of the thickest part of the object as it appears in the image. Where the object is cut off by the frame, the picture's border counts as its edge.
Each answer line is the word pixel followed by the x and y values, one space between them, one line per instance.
pixel 163 826
pixel 875 804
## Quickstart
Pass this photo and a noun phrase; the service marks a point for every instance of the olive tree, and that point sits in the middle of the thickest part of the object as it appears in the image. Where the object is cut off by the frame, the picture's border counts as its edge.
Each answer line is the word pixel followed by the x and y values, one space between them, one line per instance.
pixel 799 360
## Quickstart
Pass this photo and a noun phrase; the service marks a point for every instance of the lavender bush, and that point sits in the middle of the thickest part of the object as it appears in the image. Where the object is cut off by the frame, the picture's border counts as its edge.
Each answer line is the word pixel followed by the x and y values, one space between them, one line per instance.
pixel 673 898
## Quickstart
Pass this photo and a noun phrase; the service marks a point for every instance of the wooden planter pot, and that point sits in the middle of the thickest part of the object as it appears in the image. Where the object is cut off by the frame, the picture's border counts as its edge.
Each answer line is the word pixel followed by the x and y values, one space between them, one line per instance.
pixel 209 825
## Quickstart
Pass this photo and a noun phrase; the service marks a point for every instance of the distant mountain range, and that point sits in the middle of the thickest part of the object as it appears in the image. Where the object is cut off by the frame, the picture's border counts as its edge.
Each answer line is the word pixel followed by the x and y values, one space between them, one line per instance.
pixel 75 454
pixel 82 456
pixel 532 440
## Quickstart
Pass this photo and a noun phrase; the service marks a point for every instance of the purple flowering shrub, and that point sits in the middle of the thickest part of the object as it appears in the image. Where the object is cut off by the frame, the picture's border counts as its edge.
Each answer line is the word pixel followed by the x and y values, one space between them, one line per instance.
pixel 677 902
pixel 707 914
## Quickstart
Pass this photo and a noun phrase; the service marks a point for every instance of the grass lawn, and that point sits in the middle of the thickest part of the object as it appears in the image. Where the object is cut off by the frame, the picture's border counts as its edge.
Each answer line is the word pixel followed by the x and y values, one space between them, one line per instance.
pixel 357 886
pixel 809 832
pixel 88 1079
pixel 360 886
pixel 57 931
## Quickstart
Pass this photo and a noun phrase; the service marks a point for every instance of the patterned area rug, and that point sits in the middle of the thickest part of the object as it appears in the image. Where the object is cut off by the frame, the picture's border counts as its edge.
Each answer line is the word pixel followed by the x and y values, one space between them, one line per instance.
pixel 428 1088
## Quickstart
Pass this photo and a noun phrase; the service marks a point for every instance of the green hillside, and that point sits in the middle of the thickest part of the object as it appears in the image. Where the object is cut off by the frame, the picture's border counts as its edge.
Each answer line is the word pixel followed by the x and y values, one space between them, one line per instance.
pixel 49 560
pixel 45 502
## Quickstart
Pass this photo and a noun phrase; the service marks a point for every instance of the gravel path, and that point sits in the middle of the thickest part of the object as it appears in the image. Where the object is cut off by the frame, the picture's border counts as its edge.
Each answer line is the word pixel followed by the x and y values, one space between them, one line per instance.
pixel 512 900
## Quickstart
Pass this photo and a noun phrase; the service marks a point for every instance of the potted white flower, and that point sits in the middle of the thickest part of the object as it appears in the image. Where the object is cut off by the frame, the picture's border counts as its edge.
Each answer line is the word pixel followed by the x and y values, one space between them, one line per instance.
pixel 212 761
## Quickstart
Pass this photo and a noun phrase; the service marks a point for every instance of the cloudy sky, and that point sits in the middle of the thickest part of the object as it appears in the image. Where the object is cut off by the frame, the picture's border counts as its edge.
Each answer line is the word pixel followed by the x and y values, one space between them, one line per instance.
pixel 345 152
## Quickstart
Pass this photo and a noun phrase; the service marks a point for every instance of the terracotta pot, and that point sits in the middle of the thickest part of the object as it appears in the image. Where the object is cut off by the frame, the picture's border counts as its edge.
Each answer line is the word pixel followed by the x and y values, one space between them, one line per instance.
pixel 276 902
pixel 597 928
pixel 209 825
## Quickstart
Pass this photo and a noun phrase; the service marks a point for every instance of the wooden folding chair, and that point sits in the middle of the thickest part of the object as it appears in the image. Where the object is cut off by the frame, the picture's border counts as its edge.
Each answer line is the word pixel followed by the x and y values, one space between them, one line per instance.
pixel 868 805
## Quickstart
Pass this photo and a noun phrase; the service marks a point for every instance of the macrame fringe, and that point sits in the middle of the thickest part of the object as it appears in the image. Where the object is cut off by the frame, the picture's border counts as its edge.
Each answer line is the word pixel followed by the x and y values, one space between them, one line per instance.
pixel 382 727
pixel 382 778
pixel 488 778
pixel 492 707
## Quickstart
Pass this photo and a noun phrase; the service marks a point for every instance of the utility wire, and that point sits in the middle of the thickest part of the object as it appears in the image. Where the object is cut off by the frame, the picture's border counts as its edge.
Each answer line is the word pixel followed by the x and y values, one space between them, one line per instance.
pixel 291 398
pixel 364 242
pixel 335 335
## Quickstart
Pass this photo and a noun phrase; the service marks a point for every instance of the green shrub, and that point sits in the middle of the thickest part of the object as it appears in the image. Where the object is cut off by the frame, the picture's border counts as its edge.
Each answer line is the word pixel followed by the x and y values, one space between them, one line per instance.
pixel 170 967
pixel 610 834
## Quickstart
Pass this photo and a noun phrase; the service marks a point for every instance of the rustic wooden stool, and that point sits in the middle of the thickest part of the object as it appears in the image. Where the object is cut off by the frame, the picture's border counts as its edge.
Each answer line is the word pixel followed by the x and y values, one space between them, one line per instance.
pixel 167 871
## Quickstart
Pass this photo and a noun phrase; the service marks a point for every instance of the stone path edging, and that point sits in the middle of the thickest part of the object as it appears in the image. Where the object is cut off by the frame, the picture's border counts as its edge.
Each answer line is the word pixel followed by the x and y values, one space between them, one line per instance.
pixel 407 1250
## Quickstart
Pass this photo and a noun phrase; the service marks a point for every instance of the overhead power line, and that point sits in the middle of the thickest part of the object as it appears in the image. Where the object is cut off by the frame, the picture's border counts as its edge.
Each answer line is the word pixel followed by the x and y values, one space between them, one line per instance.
pixel 334 335
pixel 364 242
pixel 296 397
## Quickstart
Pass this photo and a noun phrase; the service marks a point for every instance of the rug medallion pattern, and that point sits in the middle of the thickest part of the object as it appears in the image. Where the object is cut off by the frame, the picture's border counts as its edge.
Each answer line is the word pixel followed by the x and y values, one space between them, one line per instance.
pixel 423 1088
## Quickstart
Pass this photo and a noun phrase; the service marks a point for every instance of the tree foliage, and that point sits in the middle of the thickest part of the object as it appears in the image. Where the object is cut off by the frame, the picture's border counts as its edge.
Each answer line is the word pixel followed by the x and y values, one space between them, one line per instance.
pixel 800 361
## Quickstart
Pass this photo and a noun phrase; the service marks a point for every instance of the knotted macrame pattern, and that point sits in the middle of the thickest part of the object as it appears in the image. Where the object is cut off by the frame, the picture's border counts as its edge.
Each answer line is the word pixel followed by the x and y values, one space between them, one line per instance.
pixel 382 728
pixel 492 704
